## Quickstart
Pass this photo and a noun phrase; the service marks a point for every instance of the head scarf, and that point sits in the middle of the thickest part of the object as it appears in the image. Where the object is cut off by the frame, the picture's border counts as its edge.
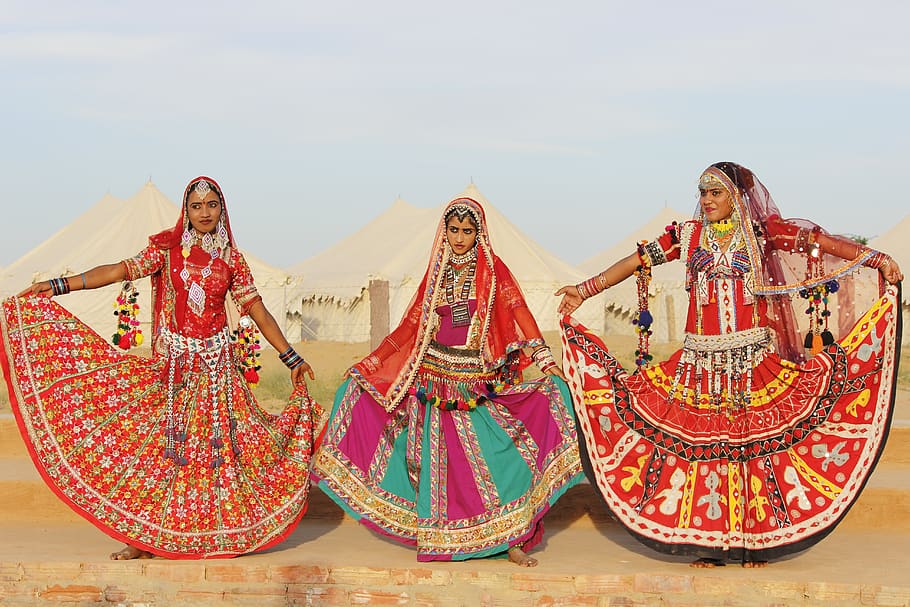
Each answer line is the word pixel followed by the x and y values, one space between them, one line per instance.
pixel 499 304
pixel 171 237
pixel 778 274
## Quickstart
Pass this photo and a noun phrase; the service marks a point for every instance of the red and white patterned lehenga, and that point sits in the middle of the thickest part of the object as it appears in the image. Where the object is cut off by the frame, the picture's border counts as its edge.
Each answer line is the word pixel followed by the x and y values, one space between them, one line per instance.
pixel 734 448
pixel 171 454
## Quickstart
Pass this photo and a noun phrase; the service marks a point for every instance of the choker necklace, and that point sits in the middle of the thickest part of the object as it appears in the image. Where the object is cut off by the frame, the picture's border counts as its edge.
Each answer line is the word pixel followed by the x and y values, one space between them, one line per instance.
pixel 723 228
pixel 460 260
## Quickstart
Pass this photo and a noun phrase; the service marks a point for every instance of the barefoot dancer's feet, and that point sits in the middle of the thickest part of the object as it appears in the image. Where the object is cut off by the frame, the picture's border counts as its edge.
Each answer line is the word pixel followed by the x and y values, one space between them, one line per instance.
pixel 520 557
pixel 707 563
pixel 130 552
pixel 755 564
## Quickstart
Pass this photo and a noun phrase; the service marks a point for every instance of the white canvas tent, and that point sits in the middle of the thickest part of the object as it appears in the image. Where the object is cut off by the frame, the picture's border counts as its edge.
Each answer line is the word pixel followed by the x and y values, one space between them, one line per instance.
pixel 667 296
pixel 113 229
pixel 395 247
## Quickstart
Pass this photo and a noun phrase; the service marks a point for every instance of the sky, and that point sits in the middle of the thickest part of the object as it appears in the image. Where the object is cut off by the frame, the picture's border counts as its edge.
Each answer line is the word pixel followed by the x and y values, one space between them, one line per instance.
pixel 579 120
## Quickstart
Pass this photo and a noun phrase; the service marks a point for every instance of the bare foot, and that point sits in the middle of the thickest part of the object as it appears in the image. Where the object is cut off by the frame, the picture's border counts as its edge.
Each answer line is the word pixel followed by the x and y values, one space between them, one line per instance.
pixel 129 553
pixel 521 558
pixel 707 563
pixel 754 564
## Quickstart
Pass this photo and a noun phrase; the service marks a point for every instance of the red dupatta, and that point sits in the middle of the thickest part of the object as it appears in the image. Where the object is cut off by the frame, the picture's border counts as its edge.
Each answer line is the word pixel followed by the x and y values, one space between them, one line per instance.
pixel 505 322
pixel 779 272
pixel 163 290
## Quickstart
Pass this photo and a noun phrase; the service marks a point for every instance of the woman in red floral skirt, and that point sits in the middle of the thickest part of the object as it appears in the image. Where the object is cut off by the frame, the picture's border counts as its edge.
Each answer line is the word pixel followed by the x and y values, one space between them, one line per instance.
pixel 171 455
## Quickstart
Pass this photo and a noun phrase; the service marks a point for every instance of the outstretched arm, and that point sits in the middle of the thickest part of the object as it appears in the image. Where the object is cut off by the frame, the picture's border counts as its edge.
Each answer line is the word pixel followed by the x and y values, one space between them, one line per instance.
pixel 786 235
pixel 846 249
pixel 272 333
pixel 574 295
pixel 99 276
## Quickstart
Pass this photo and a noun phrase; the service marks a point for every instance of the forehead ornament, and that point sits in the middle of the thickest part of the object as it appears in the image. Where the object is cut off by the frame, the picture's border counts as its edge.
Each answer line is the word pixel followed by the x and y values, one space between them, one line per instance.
pixel 710 181
pixel 202 188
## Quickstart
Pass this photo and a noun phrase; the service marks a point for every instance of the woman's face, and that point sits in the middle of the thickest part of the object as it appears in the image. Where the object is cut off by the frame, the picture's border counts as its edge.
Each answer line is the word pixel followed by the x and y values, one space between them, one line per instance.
pixel 716 203
pixel 203 212
pixel 461 234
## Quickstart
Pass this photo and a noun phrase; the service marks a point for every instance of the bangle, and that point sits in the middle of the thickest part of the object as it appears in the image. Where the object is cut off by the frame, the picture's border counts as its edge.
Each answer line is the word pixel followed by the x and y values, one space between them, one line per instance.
pixel 543 358
pixel 59 286
pixel 291 359
pixel 592 286
pixel 877 260
pixel 83 281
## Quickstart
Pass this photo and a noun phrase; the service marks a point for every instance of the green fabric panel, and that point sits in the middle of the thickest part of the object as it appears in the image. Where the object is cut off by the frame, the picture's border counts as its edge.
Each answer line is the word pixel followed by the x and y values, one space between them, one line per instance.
pixel 509 471
pixel 396 480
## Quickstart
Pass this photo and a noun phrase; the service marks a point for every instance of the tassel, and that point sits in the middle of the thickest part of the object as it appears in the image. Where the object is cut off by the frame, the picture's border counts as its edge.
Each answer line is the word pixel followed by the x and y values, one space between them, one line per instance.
pixel 816 344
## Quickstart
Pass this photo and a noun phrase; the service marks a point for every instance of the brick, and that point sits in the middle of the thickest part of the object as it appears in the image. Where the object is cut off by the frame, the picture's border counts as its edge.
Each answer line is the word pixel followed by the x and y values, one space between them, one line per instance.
pixel 444 599
pixel 828 591
pixel 231 572
pixel 360 576
pixel 661 584
pixel 794 591
pixel 619 601
pixel 299 574
pixel 376 597
pixel 506 598
pixel 115 594
pixel 10 572
pixel 420 576
pixel 11 590
pixel 603 584
pixel 72 594
pixel 482 579
pixel 537 582
pixel 317 596
pixel 111 570
pixel 889 596
pixel 255 597
pixel 52 572
pixel 198 597
pixel 172 571
pixel 575 600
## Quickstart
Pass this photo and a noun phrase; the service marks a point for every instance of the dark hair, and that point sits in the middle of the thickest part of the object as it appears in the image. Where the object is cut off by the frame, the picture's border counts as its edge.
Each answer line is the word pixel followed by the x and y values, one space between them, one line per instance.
pixel 740 176
pixel 453 212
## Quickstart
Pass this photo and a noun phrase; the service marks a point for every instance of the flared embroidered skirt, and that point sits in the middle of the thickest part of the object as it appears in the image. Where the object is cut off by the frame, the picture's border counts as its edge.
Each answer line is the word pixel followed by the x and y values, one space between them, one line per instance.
pixel 94 420
pixel 743 479
pixel 458 484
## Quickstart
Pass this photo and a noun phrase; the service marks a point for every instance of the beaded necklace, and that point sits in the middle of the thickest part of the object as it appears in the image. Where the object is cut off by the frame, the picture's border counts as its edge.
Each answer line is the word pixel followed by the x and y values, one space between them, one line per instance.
pixel 461 315
pixel 719 234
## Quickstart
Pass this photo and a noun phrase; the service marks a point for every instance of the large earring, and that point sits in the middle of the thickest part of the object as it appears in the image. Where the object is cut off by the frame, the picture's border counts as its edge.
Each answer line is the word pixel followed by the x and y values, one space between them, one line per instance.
pixel 186 241
pixel 222 239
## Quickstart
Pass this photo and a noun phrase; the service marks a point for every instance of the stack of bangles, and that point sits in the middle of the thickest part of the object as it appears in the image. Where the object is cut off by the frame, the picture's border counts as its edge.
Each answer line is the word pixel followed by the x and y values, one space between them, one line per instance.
pixel 291 359
pixel 593 286
pixel 878 260
pixel 543 358
pixel 59 286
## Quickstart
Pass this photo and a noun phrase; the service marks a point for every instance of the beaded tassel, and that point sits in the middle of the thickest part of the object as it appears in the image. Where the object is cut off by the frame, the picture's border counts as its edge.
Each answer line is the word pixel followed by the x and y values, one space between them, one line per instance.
pixel 247 337
pixel 643 318
pixel 818 335
pixel 127 312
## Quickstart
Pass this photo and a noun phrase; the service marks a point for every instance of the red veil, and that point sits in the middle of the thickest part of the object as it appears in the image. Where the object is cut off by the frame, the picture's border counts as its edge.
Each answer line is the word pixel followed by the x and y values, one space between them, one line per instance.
pixel 779 271
pixel 506 323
